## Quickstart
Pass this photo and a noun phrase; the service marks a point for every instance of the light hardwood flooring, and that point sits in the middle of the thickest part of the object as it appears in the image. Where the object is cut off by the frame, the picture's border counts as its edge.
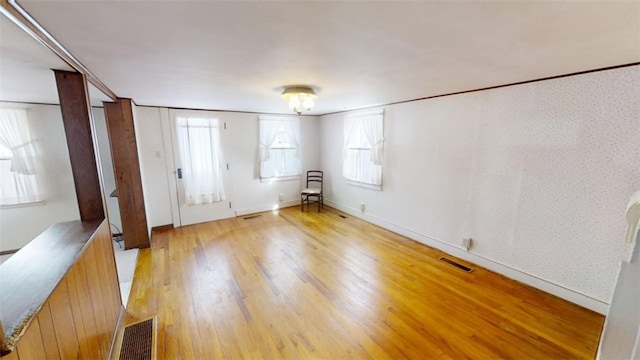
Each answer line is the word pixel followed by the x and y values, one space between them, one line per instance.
pixel 319 285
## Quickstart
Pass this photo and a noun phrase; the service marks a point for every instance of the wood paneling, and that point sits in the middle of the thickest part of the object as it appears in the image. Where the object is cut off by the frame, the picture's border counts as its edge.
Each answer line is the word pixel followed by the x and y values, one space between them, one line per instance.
pixel 76 117
pixel 64 323
pixel 32 344
pixel 126 168
pixel 289 284
pixel 79 318
pixel 30 275
pixel 48 332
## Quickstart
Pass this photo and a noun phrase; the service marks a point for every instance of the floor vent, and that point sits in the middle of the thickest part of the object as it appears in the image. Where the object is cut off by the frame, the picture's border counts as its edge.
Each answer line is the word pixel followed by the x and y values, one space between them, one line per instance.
pixel 138 341
pixel 459 266
pixel 342 216
pixel 251 217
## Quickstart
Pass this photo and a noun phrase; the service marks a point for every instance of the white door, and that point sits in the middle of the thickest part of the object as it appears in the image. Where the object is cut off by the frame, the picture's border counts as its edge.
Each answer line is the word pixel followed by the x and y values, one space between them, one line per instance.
pixel 202 175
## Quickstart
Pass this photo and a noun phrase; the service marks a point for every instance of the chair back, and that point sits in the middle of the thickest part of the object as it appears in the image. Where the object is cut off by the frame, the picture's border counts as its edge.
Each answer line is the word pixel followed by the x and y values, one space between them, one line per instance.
pixel 314 179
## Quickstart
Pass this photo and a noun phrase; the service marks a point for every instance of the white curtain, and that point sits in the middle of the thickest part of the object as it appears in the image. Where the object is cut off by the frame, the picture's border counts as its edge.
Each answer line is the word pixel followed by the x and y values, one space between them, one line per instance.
pixel 200 154
pixel 350 129
pixel 350 157
pixel 18 183
pixel 15 135
pixel 291 127
pixel 363 147
pixel 270 127
pixel 372 126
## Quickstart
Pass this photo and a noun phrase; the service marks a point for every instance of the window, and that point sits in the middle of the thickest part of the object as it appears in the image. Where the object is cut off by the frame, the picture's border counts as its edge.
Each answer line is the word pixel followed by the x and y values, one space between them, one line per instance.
pixel 18 160
pixel 279 141
pixel 200 156
pixel 363 149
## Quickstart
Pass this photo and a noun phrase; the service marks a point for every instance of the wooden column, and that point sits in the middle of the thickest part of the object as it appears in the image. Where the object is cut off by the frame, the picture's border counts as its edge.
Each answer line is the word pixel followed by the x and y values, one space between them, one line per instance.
pixel 126 168
pixel 77 119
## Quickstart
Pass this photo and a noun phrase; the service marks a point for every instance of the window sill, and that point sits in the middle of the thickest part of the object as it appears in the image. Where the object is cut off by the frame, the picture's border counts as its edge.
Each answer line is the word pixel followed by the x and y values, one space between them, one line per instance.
pixel 21 205
pixel 364 185
pixel 280 178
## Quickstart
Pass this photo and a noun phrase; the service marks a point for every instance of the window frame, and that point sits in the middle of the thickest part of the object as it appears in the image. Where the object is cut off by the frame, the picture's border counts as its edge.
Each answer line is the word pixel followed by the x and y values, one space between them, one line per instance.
pixel 262 147
pixel 357 120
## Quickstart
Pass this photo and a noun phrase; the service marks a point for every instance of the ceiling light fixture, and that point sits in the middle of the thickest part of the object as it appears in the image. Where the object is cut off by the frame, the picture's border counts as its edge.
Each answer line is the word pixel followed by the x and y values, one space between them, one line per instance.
pixel 300 98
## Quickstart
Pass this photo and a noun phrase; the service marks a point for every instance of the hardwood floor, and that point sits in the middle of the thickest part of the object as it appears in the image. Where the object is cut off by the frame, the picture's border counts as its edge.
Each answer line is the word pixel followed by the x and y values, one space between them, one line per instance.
pixel 310 285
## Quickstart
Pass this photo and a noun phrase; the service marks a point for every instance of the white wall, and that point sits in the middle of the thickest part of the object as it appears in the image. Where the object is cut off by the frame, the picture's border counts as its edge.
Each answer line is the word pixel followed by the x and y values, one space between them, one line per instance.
pixel 19 225
pixel 106 164
pixel 240 146
pixel 249 194
pixel 537 174
pixel 153 170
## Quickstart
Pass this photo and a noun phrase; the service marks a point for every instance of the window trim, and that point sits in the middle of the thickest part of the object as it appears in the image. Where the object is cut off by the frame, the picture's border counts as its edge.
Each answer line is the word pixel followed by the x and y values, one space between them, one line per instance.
pixel 279 178
pixel 364 185
pixel 354 116
pixel 277 118
pixel 23 204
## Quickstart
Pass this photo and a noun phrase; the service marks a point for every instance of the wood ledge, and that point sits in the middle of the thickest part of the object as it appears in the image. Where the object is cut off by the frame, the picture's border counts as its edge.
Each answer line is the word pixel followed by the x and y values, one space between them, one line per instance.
pixel 29 277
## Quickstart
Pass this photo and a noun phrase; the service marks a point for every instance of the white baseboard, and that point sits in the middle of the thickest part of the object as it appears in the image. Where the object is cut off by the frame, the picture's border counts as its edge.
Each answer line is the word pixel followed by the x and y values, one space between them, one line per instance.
pixel 263 208
pixel 508 271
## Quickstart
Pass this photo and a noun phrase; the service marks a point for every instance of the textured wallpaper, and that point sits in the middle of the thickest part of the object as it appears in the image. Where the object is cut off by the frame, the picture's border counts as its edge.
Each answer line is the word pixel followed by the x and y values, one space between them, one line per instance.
pixel 537 174
pixel 557 162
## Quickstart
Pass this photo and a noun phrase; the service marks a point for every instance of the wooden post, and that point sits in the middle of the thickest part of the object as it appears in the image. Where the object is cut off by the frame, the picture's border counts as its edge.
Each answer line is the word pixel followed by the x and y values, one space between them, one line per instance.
pixel 77 119
pixel 126 168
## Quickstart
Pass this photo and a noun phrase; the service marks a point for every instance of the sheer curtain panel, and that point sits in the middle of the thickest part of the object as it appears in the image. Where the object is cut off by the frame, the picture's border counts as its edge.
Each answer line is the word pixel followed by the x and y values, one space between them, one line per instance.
pixel 19 165
pixel 279 147
pixel 200 154
pixel 363 148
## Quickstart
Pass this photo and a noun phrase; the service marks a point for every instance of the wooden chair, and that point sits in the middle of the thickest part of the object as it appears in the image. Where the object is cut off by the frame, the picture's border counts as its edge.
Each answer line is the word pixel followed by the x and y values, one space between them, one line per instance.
pixel 313 189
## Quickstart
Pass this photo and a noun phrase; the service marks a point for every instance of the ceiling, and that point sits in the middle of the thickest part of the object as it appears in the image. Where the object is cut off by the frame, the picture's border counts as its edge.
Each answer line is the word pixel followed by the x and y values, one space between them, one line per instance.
pixel 25 69
pixel 238 55
pixel 25 64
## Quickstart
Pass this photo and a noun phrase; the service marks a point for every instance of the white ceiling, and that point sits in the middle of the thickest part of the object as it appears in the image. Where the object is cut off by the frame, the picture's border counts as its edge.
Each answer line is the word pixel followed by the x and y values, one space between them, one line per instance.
pixel 237 55
pixel 25 64
pixel 25 69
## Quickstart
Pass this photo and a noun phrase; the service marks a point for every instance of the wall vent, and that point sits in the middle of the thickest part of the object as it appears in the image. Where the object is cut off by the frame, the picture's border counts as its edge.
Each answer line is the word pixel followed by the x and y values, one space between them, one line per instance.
pixel 458 265
pixel 138 341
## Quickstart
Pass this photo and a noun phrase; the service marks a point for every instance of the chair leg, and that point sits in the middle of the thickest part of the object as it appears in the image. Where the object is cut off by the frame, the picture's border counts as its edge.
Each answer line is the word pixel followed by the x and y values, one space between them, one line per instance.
pixel 302 203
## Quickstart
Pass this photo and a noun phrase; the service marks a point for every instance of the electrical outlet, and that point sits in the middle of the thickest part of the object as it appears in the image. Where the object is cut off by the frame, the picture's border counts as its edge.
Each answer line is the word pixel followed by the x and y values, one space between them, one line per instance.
pixel 281 197
pixel 362 207
pixel 466 243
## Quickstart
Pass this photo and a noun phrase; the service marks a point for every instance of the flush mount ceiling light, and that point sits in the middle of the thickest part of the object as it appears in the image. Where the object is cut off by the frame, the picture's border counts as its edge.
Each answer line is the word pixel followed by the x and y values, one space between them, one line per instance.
pixel 300 98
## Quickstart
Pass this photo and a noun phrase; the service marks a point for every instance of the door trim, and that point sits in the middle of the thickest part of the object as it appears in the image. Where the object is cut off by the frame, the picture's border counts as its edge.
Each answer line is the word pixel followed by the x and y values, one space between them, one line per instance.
pixel 165 120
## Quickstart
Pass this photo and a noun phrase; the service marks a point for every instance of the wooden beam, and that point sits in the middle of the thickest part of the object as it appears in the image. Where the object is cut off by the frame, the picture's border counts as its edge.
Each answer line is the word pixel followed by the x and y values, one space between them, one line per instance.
pixel 126 168
pixel 76 116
